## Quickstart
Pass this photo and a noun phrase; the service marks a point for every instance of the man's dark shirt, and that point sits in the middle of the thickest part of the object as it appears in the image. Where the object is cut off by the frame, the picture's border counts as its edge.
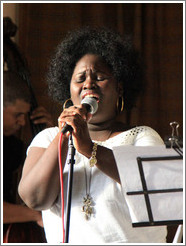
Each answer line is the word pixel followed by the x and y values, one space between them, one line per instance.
pixel 13 156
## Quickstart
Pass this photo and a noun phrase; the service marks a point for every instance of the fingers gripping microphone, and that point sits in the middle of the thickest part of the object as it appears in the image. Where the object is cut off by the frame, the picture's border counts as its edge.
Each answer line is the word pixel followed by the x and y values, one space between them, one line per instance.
pixel 91 106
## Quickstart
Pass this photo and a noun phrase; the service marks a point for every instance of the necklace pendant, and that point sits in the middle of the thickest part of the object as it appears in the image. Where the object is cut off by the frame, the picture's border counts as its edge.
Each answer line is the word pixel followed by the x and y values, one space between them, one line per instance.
pixel 87 207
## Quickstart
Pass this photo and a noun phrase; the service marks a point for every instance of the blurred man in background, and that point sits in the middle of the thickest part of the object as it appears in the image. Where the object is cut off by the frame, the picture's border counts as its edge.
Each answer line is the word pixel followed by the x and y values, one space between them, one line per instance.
pixel 20 223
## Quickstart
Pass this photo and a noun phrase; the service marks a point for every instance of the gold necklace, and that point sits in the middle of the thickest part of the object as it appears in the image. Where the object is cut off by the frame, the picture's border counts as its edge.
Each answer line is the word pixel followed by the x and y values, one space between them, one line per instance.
pixel 88 202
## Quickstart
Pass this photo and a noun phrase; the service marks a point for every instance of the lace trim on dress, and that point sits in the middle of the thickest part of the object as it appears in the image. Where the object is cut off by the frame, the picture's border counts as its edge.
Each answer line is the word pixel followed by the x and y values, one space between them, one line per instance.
pixel 129 136
pixel 125 138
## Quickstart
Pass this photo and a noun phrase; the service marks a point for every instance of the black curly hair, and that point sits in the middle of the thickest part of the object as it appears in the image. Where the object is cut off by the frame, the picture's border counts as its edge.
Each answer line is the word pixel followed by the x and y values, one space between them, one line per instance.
pixel 117 52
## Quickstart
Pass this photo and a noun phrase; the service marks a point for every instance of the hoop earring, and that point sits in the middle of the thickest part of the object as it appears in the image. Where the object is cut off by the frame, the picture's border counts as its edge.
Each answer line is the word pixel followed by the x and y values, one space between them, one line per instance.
pixel 120 109
pixel 65 103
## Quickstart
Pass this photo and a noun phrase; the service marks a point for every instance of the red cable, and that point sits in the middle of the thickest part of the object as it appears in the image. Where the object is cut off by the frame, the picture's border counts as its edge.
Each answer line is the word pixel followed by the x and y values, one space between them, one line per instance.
pixel 61 183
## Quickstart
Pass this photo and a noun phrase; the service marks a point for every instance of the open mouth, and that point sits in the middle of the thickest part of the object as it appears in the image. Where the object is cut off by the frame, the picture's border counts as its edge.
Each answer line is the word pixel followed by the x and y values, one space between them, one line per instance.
pixel 92 95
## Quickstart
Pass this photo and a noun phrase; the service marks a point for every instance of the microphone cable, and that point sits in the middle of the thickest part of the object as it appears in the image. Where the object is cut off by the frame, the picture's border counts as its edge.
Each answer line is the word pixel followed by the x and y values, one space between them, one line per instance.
pixel 61 185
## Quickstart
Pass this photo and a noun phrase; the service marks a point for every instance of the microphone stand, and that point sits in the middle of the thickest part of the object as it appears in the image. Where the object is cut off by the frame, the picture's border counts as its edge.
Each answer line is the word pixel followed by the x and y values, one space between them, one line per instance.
pixel 71 162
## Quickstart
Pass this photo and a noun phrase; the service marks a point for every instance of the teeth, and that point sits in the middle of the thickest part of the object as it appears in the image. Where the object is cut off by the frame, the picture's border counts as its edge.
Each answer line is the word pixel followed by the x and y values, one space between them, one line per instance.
pixel 90 95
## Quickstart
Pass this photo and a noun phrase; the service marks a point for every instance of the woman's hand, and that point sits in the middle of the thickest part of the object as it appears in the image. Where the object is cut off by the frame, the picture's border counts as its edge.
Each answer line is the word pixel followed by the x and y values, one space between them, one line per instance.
pixel 41 116
pixel 77 117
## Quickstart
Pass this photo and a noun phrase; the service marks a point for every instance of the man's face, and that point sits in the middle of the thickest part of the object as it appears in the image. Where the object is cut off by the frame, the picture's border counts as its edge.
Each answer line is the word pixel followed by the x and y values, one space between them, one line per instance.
pixel 14 116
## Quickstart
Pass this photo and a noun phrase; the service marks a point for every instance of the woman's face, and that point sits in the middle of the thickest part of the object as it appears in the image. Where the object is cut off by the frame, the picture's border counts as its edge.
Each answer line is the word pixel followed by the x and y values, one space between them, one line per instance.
pixel 93 78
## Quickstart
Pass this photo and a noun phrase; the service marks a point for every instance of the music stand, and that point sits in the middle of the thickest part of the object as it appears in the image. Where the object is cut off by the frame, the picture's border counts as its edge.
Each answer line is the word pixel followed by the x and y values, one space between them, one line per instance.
pixel 152 184
pixel 157 188
pixel 147 192
pixel 153 201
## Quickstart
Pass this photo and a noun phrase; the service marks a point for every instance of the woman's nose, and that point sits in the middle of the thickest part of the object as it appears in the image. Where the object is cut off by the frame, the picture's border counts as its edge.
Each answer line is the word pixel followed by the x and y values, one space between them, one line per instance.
pixel 90 82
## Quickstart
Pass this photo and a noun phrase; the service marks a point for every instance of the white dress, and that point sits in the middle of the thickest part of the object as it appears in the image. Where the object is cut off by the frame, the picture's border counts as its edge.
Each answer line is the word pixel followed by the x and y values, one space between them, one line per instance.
pixel 110 222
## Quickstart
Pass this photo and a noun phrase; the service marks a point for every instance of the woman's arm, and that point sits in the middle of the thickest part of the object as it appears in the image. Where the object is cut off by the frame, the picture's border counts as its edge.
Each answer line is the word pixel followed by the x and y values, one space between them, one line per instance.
pixel 105 161
pixel 40 184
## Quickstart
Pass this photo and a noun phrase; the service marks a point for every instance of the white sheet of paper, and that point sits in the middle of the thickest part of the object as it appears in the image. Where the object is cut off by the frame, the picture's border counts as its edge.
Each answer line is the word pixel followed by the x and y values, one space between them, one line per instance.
pixel 161 174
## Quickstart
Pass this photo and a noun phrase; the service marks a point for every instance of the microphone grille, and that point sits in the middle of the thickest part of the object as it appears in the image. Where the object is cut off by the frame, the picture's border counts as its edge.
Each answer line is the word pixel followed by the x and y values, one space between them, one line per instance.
pixel 92 103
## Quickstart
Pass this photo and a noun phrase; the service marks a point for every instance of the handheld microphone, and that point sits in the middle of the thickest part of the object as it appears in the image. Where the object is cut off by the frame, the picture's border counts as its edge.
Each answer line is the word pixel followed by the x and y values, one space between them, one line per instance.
pixel 91 106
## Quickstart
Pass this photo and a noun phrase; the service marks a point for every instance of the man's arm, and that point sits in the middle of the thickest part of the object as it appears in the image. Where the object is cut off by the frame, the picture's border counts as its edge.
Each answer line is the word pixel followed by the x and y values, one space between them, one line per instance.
pixel 13 213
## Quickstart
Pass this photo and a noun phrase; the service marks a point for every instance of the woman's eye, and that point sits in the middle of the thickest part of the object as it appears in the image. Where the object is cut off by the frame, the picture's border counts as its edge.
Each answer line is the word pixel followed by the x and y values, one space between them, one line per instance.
pixel 99 78
pixel 80 80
